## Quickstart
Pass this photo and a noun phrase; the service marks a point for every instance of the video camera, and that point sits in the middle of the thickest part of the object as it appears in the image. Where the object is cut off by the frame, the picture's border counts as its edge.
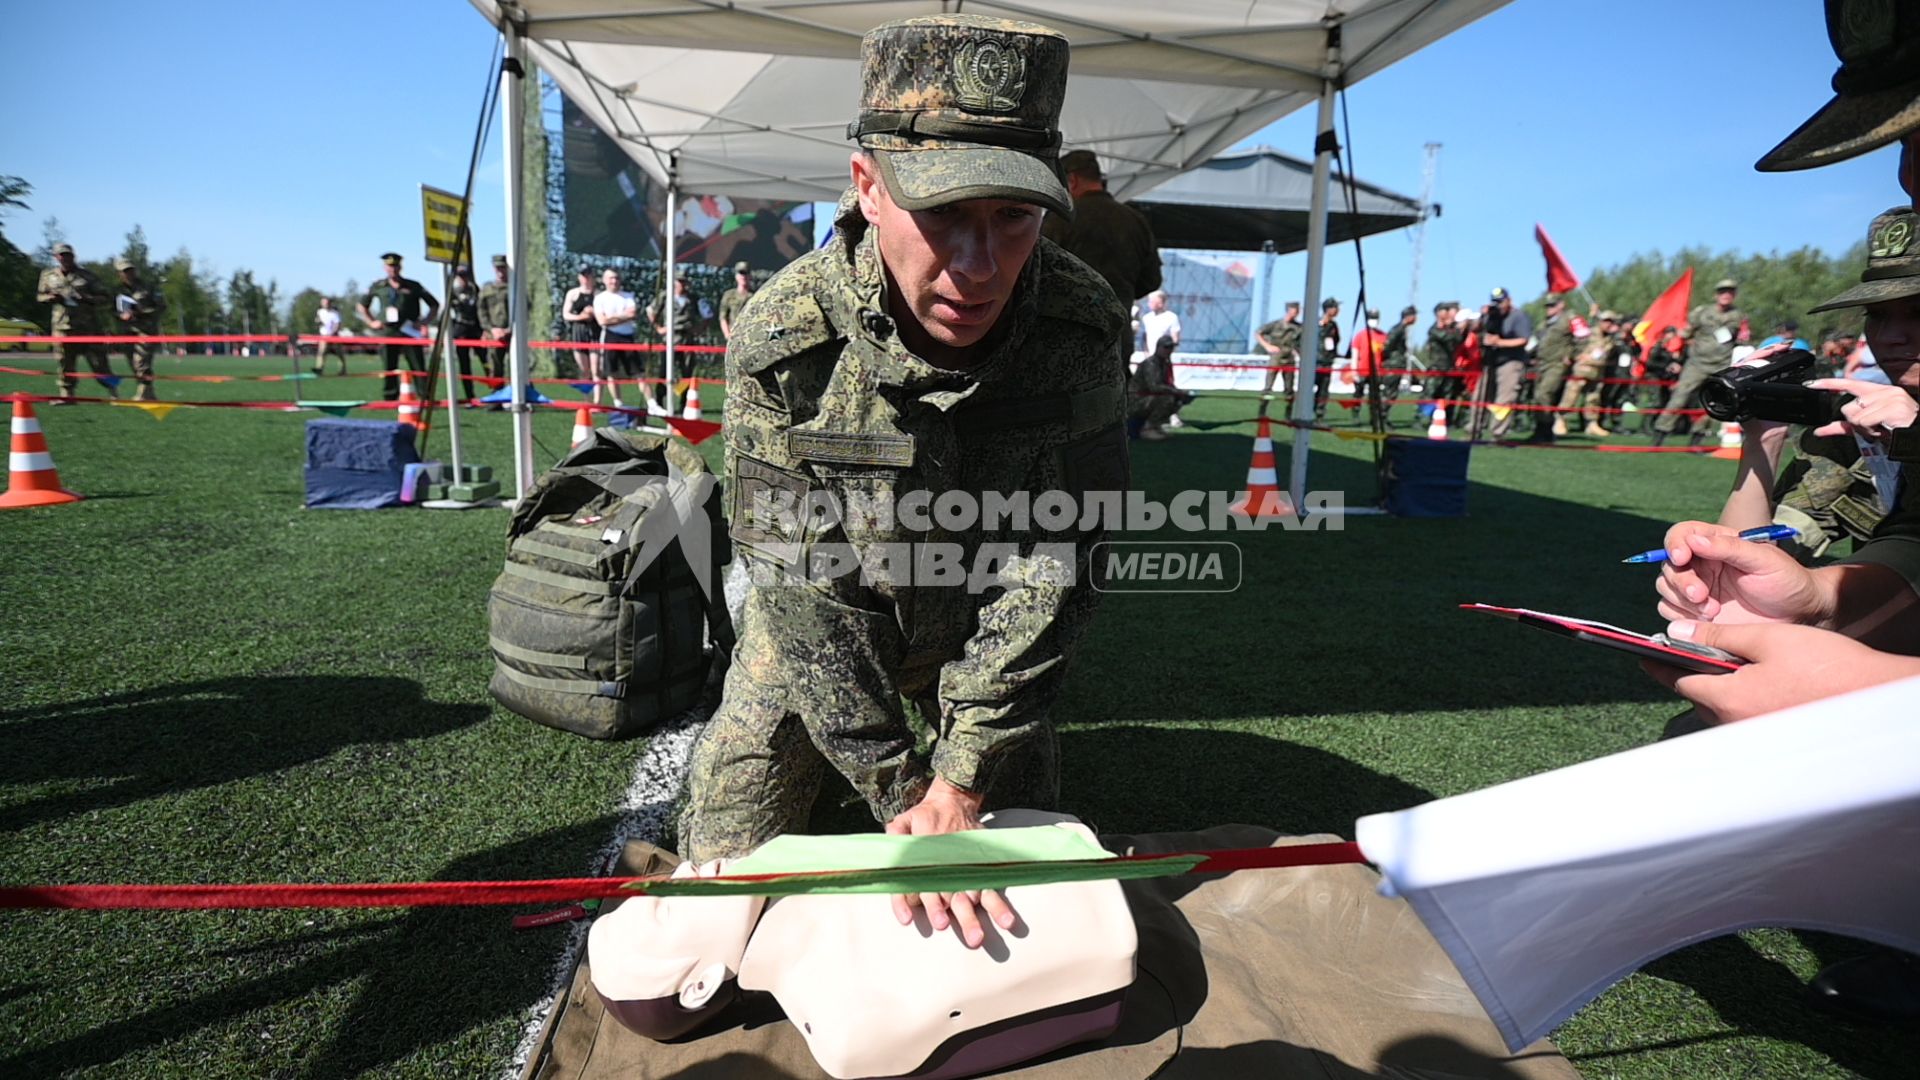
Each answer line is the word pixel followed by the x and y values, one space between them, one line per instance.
pixel 1771 390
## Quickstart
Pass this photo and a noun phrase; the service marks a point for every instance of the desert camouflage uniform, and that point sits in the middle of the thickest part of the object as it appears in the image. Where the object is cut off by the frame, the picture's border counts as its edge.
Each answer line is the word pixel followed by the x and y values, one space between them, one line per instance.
pixel 822 396
pixel 1588 369
pixel 76 300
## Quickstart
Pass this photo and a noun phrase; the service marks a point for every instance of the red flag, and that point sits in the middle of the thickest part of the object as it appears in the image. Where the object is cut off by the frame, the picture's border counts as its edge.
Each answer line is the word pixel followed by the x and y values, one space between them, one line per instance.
pixel 1560 276
pixel 1670 309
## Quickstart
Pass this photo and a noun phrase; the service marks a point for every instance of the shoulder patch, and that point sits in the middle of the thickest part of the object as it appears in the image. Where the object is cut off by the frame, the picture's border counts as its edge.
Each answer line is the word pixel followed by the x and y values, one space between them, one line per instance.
pixel 782 320
pixel 1074 291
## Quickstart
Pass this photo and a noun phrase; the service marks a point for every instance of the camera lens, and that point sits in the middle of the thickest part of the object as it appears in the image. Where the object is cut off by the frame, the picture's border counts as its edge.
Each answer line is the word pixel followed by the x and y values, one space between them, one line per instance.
pixel 1722 398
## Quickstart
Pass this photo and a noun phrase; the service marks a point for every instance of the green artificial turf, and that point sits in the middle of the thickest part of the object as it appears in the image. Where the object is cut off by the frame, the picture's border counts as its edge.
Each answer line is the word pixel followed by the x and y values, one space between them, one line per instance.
pixel 201 681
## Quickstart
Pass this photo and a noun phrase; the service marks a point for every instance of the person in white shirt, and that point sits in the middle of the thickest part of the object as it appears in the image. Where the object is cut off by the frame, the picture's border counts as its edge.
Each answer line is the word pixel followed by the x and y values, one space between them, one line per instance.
pixel 1157 322
pixel 328 321
pixel 614 309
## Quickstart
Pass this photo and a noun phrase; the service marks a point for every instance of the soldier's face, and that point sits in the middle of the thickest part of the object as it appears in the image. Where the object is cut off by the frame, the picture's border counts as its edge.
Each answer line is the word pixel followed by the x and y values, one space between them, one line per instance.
pixel 1893 333
pixel 65 260
pixel 1724 297
pixel 951 268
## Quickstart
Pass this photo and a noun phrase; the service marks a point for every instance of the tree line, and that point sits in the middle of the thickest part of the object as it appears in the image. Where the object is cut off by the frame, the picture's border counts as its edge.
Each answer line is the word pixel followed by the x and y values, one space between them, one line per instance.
pixel 1774 287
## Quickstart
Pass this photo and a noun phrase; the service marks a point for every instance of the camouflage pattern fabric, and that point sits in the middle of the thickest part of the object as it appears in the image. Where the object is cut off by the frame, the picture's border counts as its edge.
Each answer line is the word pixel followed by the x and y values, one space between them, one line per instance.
pixel 76 299
pixel 146 307
pixel 1114 239
pixel 731 305
pixel 496 313
pixel 1555 357
pixel 1285 336
pixel 822 396
pixel 1827 493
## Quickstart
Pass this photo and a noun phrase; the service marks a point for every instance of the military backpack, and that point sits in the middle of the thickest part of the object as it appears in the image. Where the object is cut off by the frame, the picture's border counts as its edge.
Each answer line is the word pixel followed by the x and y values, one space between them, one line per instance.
pixel 599 621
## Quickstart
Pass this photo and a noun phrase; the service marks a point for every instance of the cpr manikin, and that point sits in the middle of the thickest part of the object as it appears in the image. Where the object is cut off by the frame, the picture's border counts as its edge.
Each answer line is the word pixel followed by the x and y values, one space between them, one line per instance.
pixel 871 997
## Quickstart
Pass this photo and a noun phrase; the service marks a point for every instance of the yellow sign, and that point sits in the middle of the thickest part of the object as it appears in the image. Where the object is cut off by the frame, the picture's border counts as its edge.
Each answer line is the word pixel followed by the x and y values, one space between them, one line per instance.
pixel 440 212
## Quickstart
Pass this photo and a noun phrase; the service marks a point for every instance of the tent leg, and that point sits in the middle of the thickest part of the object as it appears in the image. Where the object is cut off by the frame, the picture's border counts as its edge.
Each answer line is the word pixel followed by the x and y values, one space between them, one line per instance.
pixel 1310 358
pixel 513 142
pixel 667 274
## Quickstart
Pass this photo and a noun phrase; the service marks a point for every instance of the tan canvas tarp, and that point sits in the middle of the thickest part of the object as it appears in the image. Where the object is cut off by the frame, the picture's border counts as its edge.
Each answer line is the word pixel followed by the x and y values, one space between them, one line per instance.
pixel 1269 973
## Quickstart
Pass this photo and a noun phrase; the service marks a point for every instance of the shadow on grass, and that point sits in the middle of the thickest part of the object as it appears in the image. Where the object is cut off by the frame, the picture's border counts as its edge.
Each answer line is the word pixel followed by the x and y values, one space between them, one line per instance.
pixel 193 735
pixel 1761 997
pixel 1365 619
pixel 428 976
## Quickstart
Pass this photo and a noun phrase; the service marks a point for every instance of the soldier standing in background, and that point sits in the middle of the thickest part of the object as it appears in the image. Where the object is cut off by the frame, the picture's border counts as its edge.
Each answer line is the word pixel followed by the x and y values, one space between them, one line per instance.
pixel 935 346
pixel 76 296
pixel 1329 331
pixel 1711 332
pixel 1596 354
pixel 1443 341
pixel 735 301
pixel 496 317
pixel 139 306
pixel 1281 339
pixel 1105 233
pixel 1555 357
pixel 463 317
pixel 401 316
pixel 1396 359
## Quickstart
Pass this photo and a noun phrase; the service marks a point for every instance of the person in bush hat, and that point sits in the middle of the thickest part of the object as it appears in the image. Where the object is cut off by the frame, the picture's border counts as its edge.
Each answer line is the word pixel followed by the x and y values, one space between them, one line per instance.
pixel 76 296
pixel 139 306
pixel 935 346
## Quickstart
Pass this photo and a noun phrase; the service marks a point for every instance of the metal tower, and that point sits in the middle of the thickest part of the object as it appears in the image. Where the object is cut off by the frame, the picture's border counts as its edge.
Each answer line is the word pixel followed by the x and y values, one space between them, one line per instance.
pixel 1429 169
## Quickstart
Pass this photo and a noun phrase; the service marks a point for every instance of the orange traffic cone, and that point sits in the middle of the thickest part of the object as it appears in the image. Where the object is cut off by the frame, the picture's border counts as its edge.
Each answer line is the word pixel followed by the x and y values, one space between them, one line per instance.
pixel 1730 440
pixel 1263 499
pixel 1438 429
pixel 409 403
pixel 582 425
pixel 693 401
pixel 33 480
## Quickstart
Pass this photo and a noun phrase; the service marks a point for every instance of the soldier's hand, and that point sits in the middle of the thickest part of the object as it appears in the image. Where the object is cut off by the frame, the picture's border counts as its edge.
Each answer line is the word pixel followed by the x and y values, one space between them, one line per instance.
pixel 1876 411
pixel 948 809
pixel 1713 576
pixel 1788 665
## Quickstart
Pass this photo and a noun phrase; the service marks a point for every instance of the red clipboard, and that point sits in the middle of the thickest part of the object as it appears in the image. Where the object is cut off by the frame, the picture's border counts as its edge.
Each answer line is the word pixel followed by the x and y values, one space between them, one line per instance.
pixel 1681 654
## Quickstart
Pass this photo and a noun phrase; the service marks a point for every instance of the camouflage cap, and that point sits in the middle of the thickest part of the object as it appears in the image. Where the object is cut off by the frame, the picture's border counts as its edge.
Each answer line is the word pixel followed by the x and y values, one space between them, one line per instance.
pixel 121 262
pixel 1609 316
pixel 1893 262
pixel 63 249
pixel 1555 298
pixel 1725 284
pixel 1409 310
pixel 1877 87
pixel 958 107
pixel 500 260
pixel 1444 305
pixel 743 267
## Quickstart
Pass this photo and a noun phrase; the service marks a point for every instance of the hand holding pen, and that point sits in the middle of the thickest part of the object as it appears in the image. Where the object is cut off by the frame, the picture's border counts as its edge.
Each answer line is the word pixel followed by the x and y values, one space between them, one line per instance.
pixel 1763 534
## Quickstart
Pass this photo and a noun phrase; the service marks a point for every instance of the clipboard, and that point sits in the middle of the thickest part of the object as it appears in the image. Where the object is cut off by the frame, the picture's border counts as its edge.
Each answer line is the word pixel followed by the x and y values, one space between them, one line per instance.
pixel 1704 659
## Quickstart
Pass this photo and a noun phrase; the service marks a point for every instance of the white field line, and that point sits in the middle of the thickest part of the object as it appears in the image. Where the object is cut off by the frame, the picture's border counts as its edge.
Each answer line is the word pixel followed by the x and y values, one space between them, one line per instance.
pixel 649 798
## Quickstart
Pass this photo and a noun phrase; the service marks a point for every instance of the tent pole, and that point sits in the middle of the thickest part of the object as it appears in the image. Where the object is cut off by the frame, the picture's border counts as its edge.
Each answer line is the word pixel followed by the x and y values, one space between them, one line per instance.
pixel 1310 358
pixel 667 276
pixel 513 143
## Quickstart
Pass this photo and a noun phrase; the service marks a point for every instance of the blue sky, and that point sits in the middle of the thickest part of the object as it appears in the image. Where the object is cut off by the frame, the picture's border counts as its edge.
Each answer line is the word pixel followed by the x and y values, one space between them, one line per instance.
pixel 291 139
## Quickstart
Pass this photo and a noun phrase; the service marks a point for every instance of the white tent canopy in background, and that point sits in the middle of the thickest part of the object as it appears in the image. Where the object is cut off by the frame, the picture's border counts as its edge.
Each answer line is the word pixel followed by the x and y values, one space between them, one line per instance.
pixel 752 97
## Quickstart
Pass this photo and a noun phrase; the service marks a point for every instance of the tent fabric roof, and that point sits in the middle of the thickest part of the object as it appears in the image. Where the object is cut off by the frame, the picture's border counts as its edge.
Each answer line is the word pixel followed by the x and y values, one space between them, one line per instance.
pixel 752 97
pixel 1236 202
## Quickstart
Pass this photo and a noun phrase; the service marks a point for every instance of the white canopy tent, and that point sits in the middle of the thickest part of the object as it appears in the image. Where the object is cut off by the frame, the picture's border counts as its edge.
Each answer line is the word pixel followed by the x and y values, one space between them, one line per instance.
pixel 752 97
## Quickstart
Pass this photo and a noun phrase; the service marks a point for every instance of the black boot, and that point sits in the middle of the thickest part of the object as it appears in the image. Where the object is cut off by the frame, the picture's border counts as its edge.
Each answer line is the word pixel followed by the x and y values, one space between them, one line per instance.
pixel 1880 987
pixel 1659 437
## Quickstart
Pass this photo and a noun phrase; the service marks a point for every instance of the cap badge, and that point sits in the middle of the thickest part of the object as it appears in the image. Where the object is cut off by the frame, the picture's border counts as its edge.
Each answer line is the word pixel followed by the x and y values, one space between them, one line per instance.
pixel 989 75
pixel 1892 239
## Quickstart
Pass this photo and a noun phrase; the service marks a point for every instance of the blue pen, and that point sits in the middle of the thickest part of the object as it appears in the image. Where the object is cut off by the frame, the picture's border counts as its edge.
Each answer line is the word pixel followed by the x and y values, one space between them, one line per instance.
pixel 1760 535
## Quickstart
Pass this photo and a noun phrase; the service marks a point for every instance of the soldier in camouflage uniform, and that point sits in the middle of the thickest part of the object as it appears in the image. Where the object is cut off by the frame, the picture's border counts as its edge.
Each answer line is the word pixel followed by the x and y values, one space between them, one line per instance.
pixel 1281 339
pixel 463 319
pixel 735 300
pixel 1551 363
pixel 1596 353
pixel 936 345
pixel 1711 332
pixel 1396 358
pixel 1104 233
pixel 1443 341
pixel 496 317
pixel 139 306
pixel 76 296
